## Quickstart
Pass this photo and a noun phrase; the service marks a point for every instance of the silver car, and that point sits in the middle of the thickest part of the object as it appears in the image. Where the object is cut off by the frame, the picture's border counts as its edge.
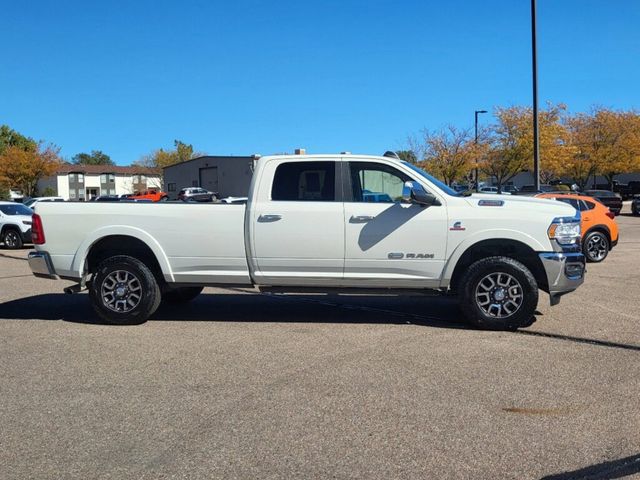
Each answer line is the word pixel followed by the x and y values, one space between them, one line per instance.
pixel 196 194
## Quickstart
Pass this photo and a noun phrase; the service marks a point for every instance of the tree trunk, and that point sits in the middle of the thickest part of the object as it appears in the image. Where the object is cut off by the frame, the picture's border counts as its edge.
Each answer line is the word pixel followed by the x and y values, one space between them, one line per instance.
pixel 609 176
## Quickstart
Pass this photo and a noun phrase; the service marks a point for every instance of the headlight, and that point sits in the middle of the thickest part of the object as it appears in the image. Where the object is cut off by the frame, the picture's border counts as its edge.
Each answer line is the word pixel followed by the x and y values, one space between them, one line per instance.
pixel 565 230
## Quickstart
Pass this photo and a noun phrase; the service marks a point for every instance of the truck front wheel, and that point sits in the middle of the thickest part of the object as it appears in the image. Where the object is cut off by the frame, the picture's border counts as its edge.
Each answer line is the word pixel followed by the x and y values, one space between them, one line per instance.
pixel 499 293
pixel 123 291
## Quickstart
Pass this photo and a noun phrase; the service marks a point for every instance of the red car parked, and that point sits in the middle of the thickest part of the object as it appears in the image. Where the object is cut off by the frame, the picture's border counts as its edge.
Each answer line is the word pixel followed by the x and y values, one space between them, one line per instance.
pixel 153 194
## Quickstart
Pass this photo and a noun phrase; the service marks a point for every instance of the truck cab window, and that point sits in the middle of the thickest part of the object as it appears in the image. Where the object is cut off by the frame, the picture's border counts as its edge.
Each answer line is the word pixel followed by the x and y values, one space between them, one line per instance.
pixel 376 182
pixel 305 181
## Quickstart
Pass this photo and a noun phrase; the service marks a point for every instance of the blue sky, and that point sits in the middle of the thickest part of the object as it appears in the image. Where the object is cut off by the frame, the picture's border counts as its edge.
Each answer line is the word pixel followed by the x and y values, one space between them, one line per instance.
pixel 249 77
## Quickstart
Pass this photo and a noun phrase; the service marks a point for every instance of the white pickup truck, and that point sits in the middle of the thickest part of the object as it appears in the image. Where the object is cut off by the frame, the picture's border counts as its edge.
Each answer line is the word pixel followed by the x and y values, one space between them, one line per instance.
pixel 324 223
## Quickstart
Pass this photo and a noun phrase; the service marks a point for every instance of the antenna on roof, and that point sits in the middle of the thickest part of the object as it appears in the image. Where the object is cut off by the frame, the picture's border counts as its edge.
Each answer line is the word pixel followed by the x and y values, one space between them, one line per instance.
pixel 391 154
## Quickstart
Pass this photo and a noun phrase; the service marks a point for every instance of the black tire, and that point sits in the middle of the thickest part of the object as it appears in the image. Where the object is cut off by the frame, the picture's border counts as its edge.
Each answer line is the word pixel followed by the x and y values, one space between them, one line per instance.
pixel 635 211
pixel 164 199
pixel 521 294
pixel 595 246
pixel 181 295
pixel 146 289
pixel 191 200
pixel 12 239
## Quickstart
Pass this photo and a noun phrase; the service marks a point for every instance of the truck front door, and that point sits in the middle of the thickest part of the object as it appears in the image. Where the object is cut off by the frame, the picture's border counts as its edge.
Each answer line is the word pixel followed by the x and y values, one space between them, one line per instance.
pixel 390 243
pixel 297 224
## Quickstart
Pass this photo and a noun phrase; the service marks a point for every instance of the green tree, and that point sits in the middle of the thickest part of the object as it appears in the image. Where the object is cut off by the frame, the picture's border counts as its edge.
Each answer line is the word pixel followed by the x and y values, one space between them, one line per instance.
pixel 96 157
pixel 407 156
pixel 49 192
pixel 4 192
pixel 11 138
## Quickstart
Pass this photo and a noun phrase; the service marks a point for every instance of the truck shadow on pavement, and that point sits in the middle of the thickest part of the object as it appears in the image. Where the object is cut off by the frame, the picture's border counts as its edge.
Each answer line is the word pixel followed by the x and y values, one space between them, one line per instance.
pixel 602 471
pixel 438 312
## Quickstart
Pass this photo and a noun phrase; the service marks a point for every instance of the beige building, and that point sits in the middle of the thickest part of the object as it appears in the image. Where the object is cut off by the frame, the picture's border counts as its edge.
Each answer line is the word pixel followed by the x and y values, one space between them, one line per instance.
pixel 83 182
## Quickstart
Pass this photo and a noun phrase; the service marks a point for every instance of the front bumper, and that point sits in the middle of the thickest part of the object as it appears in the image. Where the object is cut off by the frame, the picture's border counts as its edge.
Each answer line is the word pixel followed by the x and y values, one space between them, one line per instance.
pixel 565 272
pixel 41 266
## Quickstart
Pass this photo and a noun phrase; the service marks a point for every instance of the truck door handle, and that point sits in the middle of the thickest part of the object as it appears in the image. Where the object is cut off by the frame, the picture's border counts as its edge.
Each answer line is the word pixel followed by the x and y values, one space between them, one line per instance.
pixel 274 217
pixel 361 218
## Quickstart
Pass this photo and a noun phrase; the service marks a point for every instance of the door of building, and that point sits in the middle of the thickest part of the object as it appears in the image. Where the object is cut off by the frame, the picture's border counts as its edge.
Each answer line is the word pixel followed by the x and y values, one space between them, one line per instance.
pixel 209 179
pixel 92 193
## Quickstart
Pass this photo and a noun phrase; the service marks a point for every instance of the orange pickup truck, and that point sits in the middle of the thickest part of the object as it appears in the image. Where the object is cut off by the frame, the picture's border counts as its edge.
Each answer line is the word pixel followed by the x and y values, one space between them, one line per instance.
pixel 153 194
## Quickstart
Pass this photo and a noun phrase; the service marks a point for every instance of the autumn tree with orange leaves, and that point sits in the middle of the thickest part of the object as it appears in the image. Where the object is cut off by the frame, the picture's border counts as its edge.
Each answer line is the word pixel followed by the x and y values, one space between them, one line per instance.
pixel 22 168
pixel 509 143
pixel 447 153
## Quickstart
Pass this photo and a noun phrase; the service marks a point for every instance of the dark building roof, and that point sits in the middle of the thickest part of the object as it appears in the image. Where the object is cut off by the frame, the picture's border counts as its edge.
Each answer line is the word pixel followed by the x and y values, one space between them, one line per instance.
pixel 100 169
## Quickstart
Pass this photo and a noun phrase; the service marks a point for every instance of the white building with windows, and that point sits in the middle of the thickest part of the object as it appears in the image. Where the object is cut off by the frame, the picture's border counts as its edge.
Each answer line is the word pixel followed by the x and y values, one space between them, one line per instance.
pixel 84 182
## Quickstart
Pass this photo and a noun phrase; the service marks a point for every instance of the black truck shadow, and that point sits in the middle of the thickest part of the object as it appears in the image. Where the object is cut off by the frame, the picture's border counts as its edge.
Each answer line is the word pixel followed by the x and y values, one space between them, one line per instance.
pixel 431 311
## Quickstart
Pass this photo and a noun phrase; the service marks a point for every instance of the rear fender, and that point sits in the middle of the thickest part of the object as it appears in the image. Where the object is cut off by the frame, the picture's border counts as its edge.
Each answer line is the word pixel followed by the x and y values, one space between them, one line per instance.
pixel 80 258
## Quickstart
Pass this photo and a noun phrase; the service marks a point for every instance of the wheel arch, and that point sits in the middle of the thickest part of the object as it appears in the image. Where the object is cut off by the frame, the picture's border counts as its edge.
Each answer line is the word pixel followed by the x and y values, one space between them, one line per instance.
pixel 122 241
pixel 10 226
pixel 504 247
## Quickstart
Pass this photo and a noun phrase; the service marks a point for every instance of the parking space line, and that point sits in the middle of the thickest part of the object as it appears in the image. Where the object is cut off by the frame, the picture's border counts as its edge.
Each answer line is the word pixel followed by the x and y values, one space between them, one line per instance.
pixel 15 276
pixel 11 257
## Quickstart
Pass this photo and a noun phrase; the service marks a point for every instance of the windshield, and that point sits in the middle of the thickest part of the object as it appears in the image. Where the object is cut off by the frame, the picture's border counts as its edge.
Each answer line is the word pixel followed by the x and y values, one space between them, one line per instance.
pixel 441 185
pixel 17 209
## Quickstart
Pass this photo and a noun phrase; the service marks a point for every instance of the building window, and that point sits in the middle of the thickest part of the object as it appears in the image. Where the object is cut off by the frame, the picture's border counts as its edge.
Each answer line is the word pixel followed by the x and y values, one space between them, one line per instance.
pixel 171 187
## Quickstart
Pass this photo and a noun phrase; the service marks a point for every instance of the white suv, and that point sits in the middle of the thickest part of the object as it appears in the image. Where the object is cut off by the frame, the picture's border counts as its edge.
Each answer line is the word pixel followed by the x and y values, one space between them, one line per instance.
pixel 15 224
pixel 34 201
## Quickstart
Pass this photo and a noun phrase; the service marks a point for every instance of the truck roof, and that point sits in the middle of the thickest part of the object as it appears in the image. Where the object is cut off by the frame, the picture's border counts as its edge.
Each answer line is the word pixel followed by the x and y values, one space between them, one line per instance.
pixel 317 156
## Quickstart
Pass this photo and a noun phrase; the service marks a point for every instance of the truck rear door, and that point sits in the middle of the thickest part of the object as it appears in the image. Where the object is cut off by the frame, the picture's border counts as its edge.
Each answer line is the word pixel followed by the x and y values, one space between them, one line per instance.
pixel 297 224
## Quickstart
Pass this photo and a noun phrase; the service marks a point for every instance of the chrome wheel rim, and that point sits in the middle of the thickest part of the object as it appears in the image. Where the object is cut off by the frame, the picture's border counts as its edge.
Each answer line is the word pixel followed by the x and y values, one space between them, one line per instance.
pixel 597 247
pixel 11 239
pixel 121 291
pixel 499 295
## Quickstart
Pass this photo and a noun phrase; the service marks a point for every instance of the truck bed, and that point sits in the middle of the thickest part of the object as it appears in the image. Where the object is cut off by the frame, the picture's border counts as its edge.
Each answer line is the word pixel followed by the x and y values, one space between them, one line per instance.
pixel 200 243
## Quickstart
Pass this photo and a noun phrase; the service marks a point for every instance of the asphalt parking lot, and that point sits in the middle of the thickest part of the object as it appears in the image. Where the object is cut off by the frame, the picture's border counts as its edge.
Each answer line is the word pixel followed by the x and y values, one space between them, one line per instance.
pixel 245 385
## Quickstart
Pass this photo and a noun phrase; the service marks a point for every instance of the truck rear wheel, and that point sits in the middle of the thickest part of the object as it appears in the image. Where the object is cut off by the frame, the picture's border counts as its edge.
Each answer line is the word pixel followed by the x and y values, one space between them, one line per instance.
pixel 123 291
pixel 499 293
pixel 181 295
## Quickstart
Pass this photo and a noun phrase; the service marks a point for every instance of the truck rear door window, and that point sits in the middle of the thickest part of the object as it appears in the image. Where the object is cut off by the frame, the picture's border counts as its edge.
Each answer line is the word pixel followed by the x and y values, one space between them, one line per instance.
pixel 305 182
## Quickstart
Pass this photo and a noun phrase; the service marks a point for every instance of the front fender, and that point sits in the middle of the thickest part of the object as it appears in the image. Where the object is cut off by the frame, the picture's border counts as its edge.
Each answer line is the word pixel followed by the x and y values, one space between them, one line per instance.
pixel 80 257
pixel 477 237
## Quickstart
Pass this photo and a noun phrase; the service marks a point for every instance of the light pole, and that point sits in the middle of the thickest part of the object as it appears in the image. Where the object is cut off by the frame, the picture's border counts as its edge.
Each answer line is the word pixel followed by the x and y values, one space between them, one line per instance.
pixel 534 64
pixel 476 142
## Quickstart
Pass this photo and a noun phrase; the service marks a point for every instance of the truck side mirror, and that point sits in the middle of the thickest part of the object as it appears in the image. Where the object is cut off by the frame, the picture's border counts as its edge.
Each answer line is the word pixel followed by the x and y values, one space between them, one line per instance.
pixel 413 192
